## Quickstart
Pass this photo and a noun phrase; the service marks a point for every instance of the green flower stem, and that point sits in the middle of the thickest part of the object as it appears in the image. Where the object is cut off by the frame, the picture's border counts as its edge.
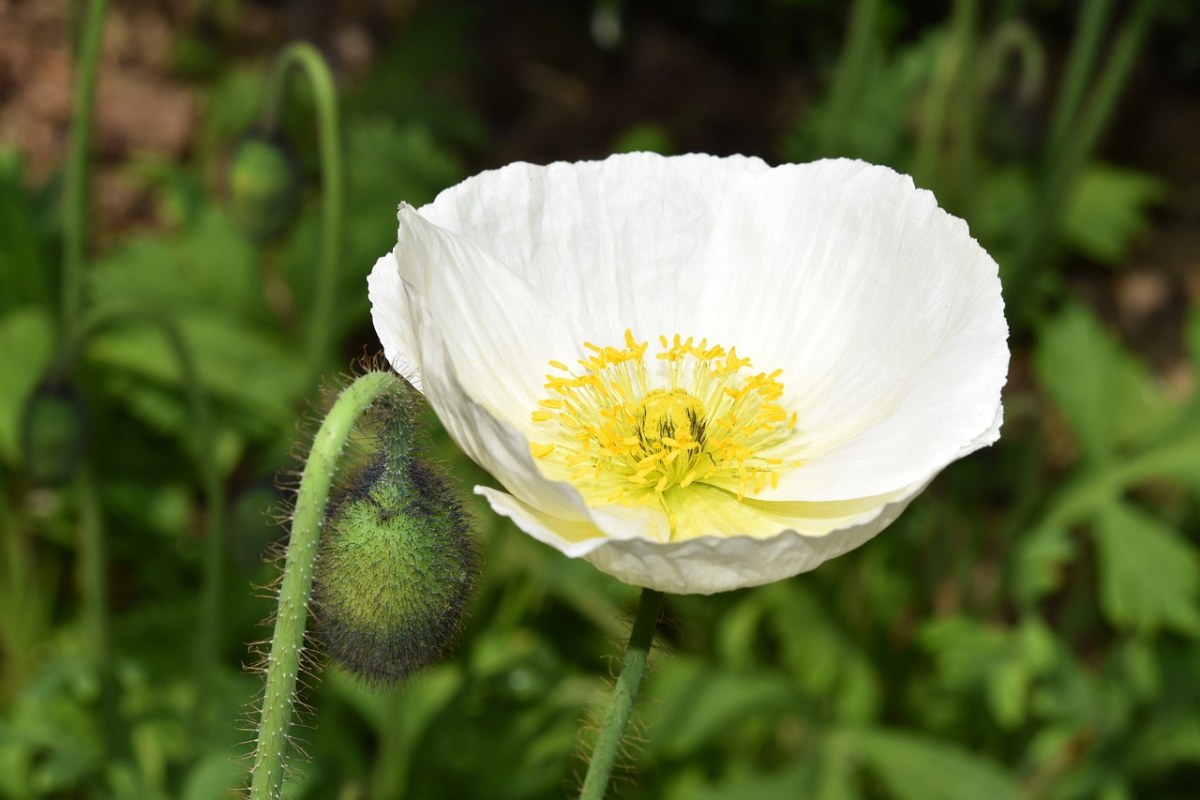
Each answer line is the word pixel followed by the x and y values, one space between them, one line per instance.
pixel 208 640
pixel 947 71
pixel 624 695
pixel 93 583
pixel 848 76
pixel 967 26
pixel 75 197
pixel 307 59
pixel 1093 18
pixel 287 643
pixel 1013 39
pixel 1064 168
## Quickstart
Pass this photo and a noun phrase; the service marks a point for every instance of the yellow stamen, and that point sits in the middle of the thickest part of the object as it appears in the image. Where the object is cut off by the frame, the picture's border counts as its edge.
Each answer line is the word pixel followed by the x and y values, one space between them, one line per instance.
pixel 622 432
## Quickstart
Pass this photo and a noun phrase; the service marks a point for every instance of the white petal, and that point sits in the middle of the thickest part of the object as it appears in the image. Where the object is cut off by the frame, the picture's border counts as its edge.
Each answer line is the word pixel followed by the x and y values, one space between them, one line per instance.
pixel 613 244
pixel 393 324
pixel 497 331
pixel 714 563
pixel 884 314
pixel 464 322
pixel 486 438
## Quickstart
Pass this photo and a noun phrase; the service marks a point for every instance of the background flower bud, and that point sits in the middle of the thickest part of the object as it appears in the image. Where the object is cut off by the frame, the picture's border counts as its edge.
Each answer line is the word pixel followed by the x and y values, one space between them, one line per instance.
pixel 54 431
pixel 264 185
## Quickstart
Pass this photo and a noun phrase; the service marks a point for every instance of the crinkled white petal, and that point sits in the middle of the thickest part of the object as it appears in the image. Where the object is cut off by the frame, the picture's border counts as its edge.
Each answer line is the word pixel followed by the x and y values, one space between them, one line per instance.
pixel 885 316
pixel 413 311
pixel 497 330
pixel 486 438
pixel 611 244
pixel 773 543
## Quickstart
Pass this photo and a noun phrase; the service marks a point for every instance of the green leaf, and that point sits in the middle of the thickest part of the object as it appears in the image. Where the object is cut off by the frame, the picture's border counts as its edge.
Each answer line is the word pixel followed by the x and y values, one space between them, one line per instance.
pixel 914 767
pixel 255 374
pixel 28 331
pixel 1004 200
pixel 216 777
pixel 1107 210
pixel 691 705
pixel 1108 396
pixel 1040 557
pixel 877 126
pixel 26 274
pixel 1149 576
pixel 401 717
pixel 210 264
pixel 784 784
pixel 1001 662
pixel 822 659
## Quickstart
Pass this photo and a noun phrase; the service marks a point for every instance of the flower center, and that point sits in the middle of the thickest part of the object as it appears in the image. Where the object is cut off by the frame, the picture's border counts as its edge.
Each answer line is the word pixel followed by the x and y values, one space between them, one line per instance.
pixel 623 431
pixel 667 418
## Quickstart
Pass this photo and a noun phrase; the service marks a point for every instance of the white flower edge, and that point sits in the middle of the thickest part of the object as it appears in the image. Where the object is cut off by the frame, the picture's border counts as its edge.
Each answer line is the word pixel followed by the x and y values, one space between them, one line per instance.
pixel 705 565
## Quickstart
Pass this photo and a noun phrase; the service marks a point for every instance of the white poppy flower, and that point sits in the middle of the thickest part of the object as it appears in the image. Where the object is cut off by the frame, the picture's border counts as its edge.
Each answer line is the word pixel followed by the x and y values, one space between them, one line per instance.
pixel 698 373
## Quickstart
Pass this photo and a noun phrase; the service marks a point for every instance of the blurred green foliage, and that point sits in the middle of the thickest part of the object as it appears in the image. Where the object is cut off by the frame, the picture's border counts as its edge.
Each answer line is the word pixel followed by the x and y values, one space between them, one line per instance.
pixel 1029 629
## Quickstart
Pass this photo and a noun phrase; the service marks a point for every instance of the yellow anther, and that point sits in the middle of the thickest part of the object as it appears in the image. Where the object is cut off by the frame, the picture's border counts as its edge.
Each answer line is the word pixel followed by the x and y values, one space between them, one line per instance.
pixel 625 435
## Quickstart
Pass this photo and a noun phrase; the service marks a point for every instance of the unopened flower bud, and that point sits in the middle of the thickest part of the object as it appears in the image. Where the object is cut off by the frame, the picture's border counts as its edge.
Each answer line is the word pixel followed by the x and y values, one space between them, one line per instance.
pixel 264 185
pixel 54 431
pixel 396 570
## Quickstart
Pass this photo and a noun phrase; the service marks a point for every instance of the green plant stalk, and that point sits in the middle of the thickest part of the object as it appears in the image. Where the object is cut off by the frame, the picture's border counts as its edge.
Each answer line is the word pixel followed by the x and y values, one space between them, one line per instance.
pixel 1065 171
pixel 75 211
pixel 93 559
pixel 1093 19
pixel 967 106
pixel 307 59
pixel 1013 37
pixel 933 117
pixel 1113 78
pixel 93 583
pixel 208 641
pixel 287 642
pixel 848 76
pixel 625 693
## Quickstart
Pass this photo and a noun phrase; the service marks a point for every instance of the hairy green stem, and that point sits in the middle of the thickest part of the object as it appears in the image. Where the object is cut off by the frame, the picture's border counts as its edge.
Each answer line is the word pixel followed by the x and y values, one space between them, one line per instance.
pixel 75 211
pixel 848 76
pixel 208 641
pixel 307 59
pixel 625 693
pixel 291 617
